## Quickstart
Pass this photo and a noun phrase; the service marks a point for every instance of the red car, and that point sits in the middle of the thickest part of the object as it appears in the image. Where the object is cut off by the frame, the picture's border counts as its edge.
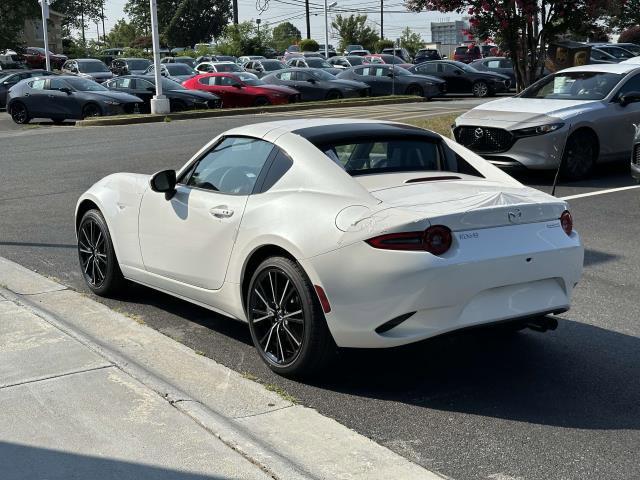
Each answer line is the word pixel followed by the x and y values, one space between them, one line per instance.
pixel 467 53
pixel 35 58
pixel 242 89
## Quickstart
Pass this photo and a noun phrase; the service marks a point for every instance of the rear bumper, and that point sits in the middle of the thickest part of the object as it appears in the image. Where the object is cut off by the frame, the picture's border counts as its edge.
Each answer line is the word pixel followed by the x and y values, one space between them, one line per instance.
pixel 505 273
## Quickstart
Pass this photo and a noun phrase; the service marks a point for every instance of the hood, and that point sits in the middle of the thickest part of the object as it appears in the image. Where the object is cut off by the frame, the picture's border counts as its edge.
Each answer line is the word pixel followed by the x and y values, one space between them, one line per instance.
pixel 471 204
pixel 526 110
pixel 278 88
pixel 113 95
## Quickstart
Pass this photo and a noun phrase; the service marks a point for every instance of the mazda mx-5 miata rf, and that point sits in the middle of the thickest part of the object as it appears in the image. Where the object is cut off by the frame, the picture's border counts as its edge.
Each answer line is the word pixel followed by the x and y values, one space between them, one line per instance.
pixel 335 233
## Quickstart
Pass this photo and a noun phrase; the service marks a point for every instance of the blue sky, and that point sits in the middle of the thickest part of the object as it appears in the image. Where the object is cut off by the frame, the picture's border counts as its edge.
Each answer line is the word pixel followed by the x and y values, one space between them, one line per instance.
pixel 293 10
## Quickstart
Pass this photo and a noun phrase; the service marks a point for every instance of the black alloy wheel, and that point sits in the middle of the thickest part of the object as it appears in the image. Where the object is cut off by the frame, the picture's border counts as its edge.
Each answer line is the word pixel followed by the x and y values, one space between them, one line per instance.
pixel 91 110
pixel 97 257
pixel 333 95
pixel 287 324
pixel 580 155
pixel 19 113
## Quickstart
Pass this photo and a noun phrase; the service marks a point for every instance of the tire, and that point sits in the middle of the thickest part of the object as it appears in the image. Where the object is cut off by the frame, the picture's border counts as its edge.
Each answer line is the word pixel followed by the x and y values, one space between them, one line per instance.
pixel 480 89
pixel 261 102
pixel 98 261
pixel 91 110
pixel 580 155
pixel 289 331
pixel 177 106
pixel 415 90
pixel 333 95
pixel 19 113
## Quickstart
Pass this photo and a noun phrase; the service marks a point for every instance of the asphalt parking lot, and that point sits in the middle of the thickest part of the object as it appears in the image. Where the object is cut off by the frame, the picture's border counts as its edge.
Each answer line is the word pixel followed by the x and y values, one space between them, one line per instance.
pixel 473 405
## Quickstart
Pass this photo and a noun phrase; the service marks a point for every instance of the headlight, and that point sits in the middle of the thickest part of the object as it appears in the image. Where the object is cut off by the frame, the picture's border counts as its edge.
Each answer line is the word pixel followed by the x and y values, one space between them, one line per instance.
pixel 111 102
pixel 539 130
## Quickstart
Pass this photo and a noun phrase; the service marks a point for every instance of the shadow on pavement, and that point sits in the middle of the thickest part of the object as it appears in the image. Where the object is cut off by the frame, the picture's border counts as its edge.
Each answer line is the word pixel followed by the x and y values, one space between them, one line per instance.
pixel 610 175
pixel 25 462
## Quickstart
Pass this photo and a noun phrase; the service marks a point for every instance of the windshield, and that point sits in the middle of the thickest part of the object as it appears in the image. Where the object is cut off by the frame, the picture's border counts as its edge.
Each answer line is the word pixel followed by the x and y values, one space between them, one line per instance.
pixel 322 75
pixel 168 84
pixel 179 69
pixel 356 60
pixel 635 49
pixel 401 72
pixel 574 86
pixel 138 64
pixel 354 47
pixel 249 79
pixel 228 67
pixel 385 155
pixel 617 52
pixel 91 67
pixel 463 66
pixel 273 66
pixel 318 63
pixel 84 85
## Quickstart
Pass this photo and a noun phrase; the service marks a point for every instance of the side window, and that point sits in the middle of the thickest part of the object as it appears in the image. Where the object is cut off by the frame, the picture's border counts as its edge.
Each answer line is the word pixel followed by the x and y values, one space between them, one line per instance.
pixel 206 80
pixel 143 85
pixel 428 68
pixel 232 166
pixel 599 55
pixel 301 76
pixel 285 76
pixel 506 63
pixel 225 81
pixel 493 64
pixel 57 84
pixel 632 85
pixel 37 84
pixel 129 83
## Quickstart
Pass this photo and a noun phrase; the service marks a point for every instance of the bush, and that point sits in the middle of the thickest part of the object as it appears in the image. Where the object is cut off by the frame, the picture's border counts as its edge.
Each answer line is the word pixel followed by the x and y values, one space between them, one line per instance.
pixel 382 44
pixel 309 45
pixel 631 35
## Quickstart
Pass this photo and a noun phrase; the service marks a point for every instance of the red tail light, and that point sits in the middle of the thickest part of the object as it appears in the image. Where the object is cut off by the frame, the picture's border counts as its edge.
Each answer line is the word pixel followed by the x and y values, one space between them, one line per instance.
pixel 566 220
pixel 436 240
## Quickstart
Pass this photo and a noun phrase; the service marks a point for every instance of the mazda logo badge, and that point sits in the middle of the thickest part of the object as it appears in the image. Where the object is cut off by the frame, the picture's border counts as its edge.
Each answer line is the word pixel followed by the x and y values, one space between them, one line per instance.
pixel 515 216
pixel 478 132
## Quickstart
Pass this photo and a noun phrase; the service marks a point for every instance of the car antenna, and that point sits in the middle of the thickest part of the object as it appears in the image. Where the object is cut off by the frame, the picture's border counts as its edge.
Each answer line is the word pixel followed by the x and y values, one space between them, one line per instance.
pixel 555 179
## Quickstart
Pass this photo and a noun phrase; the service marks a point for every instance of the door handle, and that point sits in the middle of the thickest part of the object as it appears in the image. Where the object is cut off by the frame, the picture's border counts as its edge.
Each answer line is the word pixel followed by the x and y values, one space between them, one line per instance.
pixel 221 212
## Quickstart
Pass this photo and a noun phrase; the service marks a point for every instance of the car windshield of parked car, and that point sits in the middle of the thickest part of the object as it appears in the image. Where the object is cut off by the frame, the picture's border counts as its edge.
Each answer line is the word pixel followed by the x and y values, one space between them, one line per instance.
pixel 384 155
pixel 273 66
pixel 180 69
pixel 318 63
pixel 92 67
pixel 228 67
pixel 355 60
pixel 401 72
pixel 322 75
pixel 168 84
pixel 138 64
pixel 574 86
pixel 617 52
pixel 249 79
pixel 84 85
pixel 463 66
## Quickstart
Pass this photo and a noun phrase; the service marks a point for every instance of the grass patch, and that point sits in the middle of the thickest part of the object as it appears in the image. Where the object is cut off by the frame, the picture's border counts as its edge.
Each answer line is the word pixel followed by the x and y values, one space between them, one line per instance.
pixel 440 124
pixel 133 316
pixel 272 388
pixel 167 119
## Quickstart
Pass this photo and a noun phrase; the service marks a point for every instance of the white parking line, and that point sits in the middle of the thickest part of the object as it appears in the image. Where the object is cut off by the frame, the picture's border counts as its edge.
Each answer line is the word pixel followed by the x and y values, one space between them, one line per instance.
pixel 600 192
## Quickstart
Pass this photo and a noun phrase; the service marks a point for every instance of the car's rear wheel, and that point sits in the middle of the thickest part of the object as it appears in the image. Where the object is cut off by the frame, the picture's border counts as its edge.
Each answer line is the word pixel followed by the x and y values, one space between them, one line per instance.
pixel 333 95
pixel 97 257
pixel 177 106
pixel 91 110
pixel 287 324
pixel 580 155
pixel 261 102
pixel 415 90
pixel 19 113
pixel 480 89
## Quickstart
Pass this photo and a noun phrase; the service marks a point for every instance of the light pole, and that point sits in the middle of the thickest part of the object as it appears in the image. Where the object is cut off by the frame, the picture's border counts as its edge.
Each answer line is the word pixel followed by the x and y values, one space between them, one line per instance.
pixel 258 24
pixel 44 4
pixel 326 28
pixel 159 103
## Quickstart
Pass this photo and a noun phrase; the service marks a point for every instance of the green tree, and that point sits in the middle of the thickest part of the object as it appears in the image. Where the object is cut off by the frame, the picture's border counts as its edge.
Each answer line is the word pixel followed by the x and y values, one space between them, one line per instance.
pixel 353 30
pixel 122 34
pixel 13 14
pixel 624 14
pixel 309 45
pixel 241 39
pixel 139 15
pixel 285 34
pixel 411 40
pixel 384 43
pixel 78 14
pixel 187 22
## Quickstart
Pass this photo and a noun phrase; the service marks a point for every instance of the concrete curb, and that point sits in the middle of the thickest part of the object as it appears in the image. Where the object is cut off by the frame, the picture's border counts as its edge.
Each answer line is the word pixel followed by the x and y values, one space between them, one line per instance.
pixel 148 118
pixel 286 441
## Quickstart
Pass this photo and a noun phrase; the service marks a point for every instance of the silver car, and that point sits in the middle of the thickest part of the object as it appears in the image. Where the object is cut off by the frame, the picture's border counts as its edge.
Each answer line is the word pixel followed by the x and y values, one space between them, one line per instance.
pixel 635 155
pixel 582 114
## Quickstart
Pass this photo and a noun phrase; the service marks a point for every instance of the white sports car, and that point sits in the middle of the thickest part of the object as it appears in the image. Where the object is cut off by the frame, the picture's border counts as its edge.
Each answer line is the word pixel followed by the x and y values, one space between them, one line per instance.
pixel 325 233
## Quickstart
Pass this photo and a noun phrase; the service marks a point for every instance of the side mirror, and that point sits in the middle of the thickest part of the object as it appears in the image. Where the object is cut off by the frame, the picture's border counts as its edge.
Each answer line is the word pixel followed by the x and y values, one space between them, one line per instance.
pixel 164 182
pixel 631 97
pixel 66 90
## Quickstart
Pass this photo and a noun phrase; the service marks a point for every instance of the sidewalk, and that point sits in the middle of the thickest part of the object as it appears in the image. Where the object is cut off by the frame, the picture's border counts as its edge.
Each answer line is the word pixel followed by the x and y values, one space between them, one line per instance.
pixel 88 393
pixel 66 412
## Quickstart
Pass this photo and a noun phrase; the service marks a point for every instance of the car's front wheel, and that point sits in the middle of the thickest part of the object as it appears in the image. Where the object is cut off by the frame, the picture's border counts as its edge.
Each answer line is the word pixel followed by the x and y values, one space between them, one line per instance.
pixel 287 324
pixel 580 155
pixel 480 89
pixel 19 113
pixel 91 110
pixel 97 256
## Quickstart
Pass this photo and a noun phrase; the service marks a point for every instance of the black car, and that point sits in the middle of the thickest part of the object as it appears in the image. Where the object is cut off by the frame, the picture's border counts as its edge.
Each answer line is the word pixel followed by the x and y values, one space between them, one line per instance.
pixel 461 78
pixel 314 84
pixel 8 78
pixel 65 96
pixel 89 68
pixel 129 66
pixel 501 65
pixel 180 98
pixel 426 54
pixel 394 80
pixel 263 67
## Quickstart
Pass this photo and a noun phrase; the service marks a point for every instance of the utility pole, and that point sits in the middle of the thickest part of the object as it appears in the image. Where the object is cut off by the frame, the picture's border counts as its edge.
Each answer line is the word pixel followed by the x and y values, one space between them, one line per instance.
pixel 235 12
pixel 44 4
pixel 306 9
pixel 381 20
pixel 159 103
pixel 104 34
pixel 84 40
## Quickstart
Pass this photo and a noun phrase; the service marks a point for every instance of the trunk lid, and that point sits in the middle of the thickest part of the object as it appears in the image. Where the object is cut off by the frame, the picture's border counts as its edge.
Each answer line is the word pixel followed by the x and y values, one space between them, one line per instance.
pixel 472 204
